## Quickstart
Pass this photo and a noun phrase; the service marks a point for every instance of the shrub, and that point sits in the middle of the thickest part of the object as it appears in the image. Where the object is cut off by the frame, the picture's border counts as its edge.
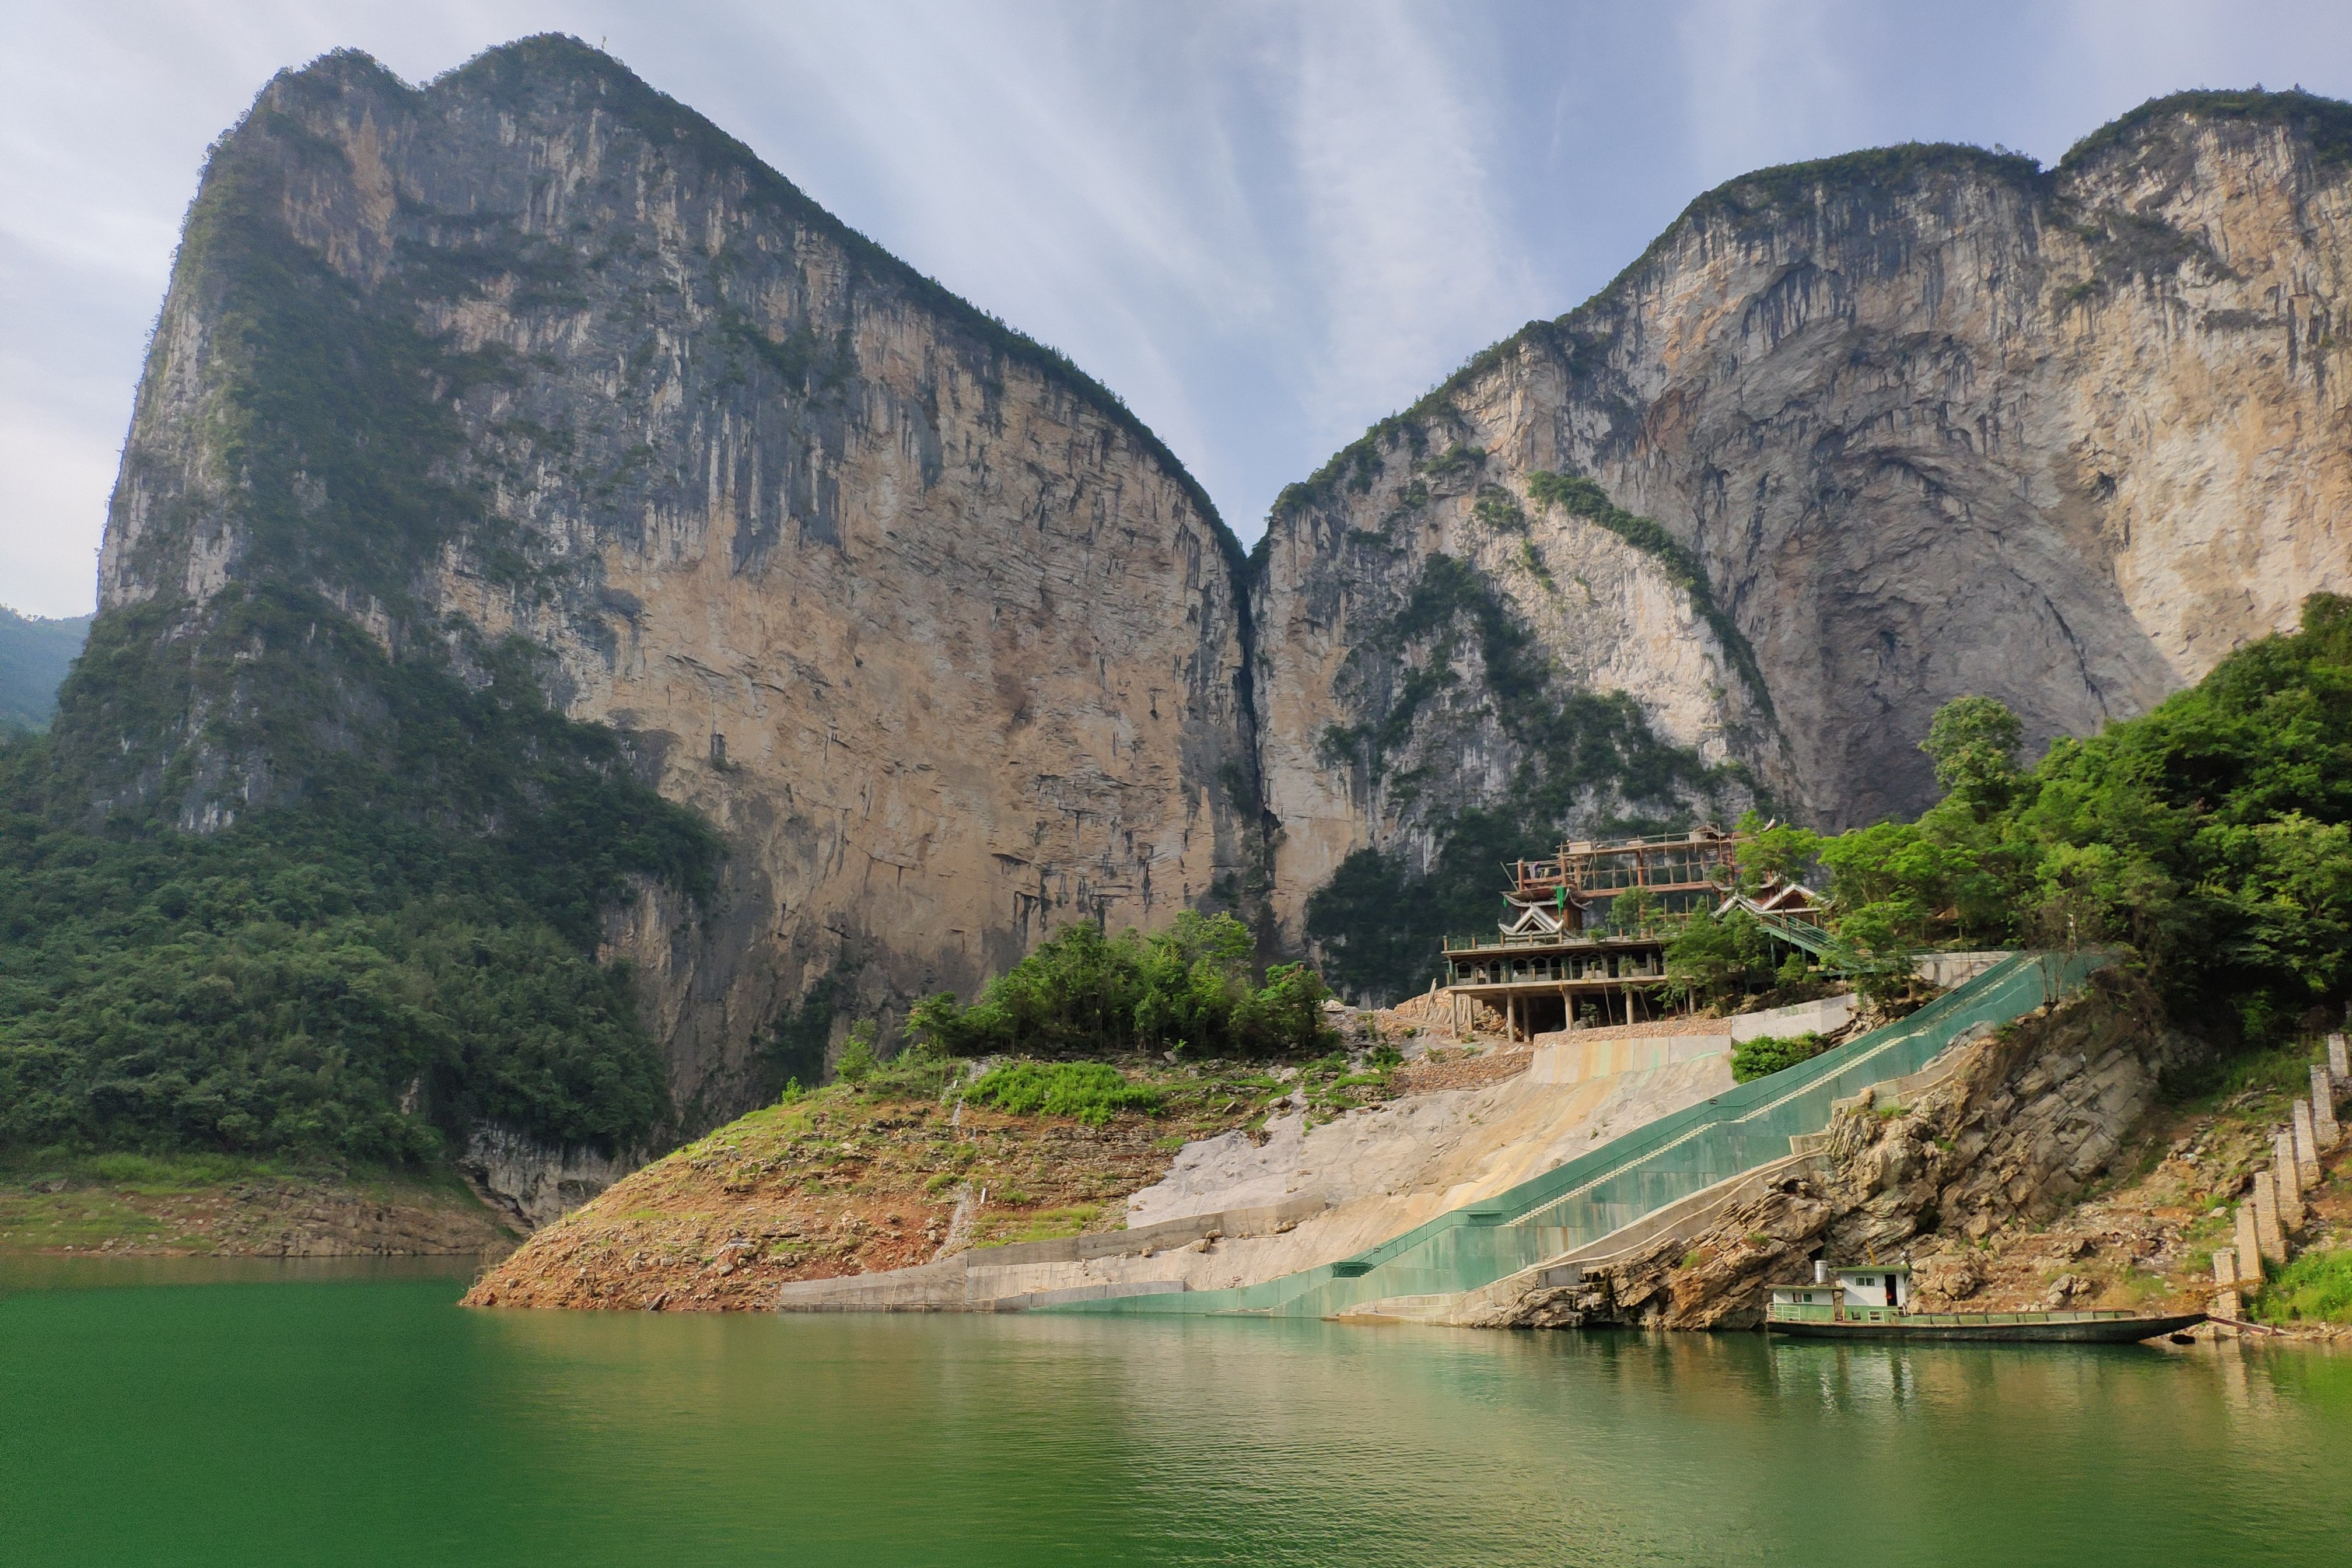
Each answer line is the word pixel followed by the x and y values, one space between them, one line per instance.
pixel 856 1064
pixel 2316 1287
pixel 1713 957
pixel 1767 1053
pixel 1085 994
pixel 1092 1092
pixel 2210 840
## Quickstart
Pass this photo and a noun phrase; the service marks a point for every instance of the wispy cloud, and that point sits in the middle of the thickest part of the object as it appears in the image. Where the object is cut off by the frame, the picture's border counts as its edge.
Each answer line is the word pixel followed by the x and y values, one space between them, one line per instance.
pixel 1265 226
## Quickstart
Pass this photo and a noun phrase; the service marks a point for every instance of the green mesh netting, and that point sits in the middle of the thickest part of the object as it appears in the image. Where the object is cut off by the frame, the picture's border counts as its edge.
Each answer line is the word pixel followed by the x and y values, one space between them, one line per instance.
pixel 1627 1177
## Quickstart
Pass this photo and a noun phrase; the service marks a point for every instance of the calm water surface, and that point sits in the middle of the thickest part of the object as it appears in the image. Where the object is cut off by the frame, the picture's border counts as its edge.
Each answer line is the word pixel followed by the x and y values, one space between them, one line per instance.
pixel 278 1415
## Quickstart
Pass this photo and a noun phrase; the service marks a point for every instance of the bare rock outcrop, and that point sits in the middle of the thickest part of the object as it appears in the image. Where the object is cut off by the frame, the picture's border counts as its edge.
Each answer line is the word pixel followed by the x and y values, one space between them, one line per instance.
pixel 2024 1122
pixel 535 1185
pixel 952 650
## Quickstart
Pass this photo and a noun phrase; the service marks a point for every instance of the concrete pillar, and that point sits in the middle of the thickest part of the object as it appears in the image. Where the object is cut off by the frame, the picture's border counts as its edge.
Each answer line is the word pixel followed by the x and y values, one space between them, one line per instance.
pixel 2225 1265
pixel 2247 1256
pixel 2226 1304
pixel 2306 1147
pixel 2324 1125
pixel 2289 1186
pixel 2339 1057
pixel 2269 1243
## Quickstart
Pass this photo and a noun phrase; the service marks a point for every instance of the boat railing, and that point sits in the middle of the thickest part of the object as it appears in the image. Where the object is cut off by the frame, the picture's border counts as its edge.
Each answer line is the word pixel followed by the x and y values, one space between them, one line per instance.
pixel 1818 1312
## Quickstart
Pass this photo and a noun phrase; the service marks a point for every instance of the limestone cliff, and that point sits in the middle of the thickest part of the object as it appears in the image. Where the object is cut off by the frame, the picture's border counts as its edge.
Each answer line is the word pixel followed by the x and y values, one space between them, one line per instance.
pixel 940 638
pixel 532 374
pixel 1912 424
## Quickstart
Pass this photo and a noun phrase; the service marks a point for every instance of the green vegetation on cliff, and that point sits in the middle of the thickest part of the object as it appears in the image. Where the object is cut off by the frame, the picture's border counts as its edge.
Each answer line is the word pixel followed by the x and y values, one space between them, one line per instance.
pixel 282 883
pixel 34 657
pixel 2324 124
pixel 361 973
pixel 1581 497
pixel 1466 661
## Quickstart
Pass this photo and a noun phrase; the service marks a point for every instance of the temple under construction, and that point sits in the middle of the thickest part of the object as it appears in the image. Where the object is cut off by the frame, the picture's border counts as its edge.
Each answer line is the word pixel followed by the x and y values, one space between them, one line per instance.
pixel 1586 939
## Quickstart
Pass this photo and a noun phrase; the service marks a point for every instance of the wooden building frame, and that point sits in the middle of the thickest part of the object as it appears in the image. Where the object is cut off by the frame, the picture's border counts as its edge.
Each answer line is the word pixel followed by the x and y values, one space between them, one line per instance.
pixel 1546 962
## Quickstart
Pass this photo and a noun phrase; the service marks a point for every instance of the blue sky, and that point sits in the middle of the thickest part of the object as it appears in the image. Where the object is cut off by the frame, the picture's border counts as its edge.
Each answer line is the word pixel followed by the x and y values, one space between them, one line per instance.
pixel 1265 225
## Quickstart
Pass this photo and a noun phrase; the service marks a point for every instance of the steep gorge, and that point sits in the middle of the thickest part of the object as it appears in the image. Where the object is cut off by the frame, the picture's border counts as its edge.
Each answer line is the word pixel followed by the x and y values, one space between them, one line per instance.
pixel 1911 424
pixel 532 374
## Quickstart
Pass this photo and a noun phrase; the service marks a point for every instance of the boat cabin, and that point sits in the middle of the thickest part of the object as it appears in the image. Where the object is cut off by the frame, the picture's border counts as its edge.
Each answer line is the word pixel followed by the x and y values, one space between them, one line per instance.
pixel 1875 1285
pixel 1884 1286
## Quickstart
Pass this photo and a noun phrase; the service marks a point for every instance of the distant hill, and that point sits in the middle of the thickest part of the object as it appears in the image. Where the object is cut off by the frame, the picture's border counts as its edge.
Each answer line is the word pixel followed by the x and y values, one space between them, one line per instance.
pixel 33 656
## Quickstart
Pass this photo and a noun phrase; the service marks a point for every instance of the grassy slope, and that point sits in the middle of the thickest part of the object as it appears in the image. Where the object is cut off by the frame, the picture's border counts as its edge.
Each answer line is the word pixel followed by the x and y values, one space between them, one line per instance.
pixel 219 1206
pixel 850 1180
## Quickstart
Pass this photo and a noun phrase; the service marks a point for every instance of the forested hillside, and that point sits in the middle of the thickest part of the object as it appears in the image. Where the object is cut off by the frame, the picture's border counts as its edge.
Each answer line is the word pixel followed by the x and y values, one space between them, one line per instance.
pixel 35 654
pixel 365 971
pixel 2210 840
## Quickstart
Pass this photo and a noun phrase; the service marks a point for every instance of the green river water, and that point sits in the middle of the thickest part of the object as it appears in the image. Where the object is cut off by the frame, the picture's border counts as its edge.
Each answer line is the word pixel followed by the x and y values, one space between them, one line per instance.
pixel 277 1413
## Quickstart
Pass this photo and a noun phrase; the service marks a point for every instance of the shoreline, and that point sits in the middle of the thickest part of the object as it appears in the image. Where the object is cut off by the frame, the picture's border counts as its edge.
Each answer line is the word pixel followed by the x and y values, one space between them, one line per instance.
pixel 129 1207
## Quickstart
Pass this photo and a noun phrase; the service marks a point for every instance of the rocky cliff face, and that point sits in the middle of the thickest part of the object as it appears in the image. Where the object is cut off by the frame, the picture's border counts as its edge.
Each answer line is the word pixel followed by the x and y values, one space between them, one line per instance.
pixel 944 643
pixel 2012 1137
pixel 1927 422
pixel 533 369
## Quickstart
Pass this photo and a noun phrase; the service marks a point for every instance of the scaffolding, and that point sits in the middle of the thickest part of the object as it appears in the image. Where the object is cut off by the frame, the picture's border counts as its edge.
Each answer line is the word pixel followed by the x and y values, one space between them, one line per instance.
pixel 1705 860
pixel 1566 953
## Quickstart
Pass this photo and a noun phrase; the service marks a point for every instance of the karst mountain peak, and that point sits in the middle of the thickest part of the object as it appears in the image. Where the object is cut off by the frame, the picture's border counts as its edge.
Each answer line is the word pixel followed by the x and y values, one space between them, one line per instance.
pixel 533 369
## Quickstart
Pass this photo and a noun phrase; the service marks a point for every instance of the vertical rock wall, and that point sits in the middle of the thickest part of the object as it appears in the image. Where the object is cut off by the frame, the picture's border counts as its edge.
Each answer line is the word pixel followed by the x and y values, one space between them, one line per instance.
pixel 1930 422
pixel 935 633
pixel 952 650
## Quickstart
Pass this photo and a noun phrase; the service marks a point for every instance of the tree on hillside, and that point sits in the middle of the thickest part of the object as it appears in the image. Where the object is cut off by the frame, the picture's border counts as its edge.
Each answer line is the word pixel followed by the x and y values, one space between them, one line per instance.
pixel 2210 840
pixel 1191 988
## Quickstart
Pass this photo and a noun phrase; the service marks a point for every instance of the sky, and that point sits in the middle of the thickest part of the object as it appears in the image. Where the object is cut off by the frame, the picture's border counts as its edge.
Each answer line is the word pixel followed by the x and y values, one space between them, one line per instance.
pixel 1264 225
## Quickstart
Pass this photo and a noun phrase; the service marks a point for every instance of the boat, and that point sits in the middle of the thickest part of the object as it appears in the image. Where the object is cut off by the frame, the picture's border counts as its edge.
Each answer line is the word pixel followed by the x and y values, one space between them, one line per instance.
pixel 2059 1328
pixel 1873 1302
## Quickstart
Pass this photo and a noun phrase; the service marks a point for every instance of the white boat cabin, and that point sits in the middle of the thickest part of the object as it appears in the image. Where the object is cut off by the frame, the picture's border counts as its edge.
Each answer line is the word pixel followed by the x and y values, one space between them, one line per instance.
pixel 1879 1285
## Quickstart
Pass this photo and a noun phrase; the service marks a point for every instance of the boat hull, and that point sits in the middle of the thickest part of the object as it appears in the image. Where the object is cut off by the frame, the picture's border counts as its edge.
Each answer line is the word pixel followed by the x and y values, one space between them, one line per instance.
pixel 2062 1328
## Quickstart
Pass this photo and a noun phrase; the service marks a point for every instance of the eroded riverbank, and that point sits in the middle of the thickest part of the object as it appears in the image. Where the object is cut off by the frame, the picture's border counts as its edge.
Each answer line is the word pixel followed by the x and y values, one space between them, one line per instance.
pixel 131 1205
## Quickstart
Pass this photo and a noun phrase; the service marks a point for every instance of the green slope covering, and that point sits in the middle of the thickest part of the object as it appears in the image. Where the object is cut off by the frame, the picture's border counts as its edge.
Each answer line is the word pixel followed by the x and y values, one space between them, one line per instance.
pixel 34 657
pixel 1632 1175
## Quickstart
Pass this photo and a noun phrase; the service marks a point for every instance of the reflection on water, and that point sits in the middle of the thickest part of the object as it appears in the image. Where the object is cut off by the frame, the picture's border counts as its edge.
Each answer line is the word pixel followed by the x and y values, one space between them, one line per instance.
pixel 370 1421
pixel 52 1272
